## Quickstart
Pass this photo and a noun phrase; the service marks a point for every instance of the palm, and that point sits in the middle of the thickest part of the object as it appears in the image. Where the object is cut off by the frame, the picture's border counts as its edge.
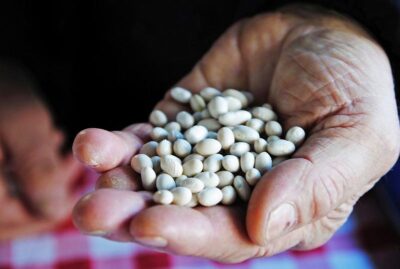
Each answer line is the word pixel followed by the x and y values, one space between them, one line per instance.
pixel 314 78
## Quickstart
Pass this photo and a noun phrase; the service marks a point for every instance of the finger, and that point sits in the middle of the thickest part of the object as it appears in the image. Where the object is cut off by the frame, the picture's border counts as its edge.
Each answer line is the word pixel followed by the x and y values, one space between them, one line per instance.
pixel 332 166
pixel 122 178
pixel 104 150
pixel 217 233
pixel 105 212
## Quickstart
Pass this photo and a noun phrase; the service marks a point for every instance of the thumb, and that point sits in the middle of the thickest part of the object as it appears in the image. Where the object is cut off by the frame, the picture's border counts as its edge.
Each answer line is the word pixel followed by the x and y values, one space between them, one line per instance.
pixel 333 166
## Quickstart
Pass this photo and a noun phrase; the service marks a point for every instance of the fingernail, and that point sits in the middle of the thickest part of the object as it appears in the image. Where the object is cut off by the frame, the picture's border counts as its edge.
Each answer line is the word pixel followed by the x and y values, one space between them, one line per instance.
pixel 155 241
pixel 97 233
pixel 281 220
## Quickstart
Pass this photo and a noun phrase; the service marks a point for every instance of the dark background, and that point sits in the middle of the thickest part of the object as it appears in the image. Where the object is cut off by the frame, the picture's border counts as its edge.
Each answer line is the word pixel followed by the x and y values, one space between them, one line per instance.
pixel 106 63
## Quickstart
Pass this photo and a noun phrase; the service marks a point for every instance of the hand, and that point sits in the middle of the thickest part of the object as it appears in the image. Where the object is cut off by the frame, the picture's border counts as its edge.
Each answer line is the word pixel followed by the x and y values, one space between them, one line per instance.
pixel 319 71
pixel 36 181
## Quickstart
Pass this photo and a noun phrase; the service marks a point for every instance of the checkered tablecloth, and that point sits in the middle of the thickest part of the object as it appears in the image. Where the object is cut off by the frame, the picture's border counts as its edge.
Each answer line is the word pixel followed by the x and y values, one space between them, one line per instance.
pixel 365 241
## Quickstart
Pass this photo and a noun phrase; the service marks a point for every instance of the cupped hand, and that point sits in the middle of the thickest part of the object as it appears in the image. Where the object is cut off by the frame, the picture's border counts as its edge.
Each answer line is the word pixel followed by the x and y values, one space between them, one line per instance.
pixel 36 179
pixel 320 71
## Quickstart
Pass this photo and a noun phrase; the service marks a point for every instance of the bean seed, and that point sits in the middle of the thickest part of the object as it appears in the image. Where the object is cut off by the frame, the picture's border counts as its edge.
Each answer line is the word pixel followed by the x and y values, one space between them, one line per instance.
pixel 197 103
pixel 195 134
pixel 253 176
pixel 225 178
pixel 230 163
pixel 209 93
pixel 247 161
pixel 193 201
pixel 280 147
pixel 256 124
pixel 172 126
pixel 181 95
pixel 171 165
pixel 245 134
pixel 238 95
pixel 242 188
pixel 234 104
pixel 195 185
pixel 210 124
pixel 272 138
pixel 192 167
pixel 217 106
pixel 163 197
pixel 158 118
pixel 263 162
pixel 149 149
pixel 234 118
pixel 273 128
pixel 209 179
pixel 193 156
pixel 228 195
pixel 295 135
pixel 179 180
pixel 148 177
pixel 158 134
pixel 226 137
pixel 267 106
pixel 182 148
pixel 164 148
pixel 140 161
pixel 208 147
pixel 155 160
pixel 260 145
pixel 239 148
pixel 212 135
pixel 185 119
pixel 212 163
pixel 264 114
pixel 182 195
pixel 210 196
pixel 174 135
pixel 165 182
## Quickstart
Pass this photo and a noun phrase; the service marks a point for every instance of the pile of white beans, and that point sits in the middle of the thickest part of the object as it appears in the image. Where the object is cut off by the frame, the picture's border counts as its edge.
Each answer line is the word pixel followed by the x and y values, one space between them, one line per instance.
pixel 215 154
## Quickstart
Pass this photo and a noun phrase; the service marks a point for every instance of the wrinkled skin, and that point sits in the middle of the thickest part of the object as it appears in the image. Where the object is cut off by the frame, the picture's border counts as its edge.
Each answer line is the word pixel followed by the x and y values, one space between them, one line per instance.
pixel 36 180
pixel 319 71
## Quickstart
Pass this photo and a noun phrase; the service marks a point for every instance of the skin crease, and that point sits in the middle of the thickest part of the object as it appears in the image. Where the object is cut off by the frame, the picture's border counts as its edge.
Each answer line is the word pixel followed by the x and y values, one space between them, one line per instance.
pixel 32 162
pixel 320 71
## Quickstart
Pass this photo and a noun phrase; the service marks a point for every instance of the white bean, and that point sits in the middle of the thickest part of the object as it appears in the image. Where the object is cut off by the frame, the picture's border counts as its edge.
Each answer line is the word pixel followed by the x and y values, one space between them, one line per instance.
pixel 193 156
pixel 195 134
pixel 197 116
pixel 164 148
pixel 140 161
pixel 163 197
pixel 247 161
pixel 165 182
pixel 205 114
pixel 158 118
pixel 245 134
pixel 264 113
pixel 273 128
pixel 217 106
pixel 209 196
pixel 225 178
pixel 210 124
pixel 182 148
pixel 192 167
pixel 269 106
pixel 181 95
pixel 172 126
pixel 148 177
pixel 213 163
pixel 209 93
pixel 208 147
pixel 209 179
pixel 263 162
pixel 182 195
pixel 195 185
pixel 239 148
pixel 253 176
pixel 212 135
pixel 226 137
pixel 280 147
pixel 171 165
pixel 185 119
pixel 230 163
pixel 238 95
pixel 242 188
pixel 228 195
pixel 256 124
pixel 193 201
pixel 179 180
pixel 234 117
pixel 234 104
pixel 158 134
pixel 197 103
pixel 295 135
pixel 156 161
pixel 260 145
pixel 150 148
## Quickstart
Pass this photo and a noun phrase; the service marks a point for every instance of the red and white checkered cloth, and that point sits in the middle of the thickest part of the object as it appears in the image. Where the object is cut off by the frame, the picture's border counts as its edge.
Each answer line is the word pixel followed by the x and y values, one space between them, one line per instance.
pixel 365 241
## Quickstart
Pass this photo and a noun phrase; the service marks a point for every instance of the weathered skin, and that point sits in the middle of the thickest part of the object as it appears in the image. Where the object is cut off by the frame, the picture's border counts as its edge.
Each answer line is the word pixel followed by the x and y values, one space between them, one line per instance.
pixel 319 71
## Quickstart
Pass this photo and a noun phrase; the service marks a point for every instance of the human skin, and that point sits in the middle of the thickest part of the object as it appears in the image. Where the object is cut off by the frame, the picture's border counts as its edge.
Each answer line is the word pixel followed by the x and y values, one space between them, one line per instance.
pixel 36 180
pixel 319 70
